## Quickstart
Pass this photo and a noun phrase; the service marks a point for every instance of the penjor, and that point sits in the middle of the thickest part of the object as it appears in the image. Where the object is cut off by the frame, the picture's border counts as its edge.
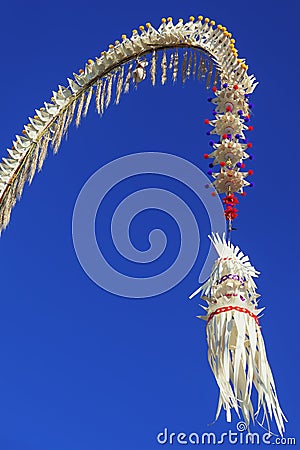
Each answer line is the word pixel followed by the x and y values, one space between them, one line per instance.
pixel 203 50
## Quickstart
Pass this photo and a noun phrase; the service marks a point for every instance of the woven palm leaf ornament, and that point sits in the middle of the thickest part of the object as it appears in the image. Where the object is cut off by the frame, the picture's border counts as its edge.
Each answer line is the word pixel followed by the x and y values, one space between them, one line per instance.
pixel 177 51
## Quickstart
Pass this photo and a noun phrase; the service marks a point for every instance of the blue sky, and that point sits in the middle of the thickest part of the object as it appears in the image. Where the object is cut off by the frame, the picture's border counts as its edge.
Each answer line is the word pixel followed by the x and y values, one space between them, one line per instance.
pixel 82 368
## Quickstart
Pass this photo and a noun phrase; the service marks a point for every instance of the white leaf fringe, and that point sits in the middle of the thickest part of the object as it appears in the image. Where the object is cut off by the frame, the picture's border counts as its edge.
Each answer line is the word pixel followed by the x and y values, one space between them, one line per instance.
pixel 164 66
pixel 175 68
pixel 170 66
pixel 119 85
pixel 189 67
pixel 128 78
pixel 184 64
pixel 70 116
pixel 236 350
pixel 209 75
pixel 103 96
pixel 33 162
pixel 88 101
pixel 153 67
pixel 59 131
pixel 19 183
pixel 109 90
pixel 216 77
pixel 6 208
pixel 195 65
pixel 98 95
pixel 80 109
pixel 44 150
